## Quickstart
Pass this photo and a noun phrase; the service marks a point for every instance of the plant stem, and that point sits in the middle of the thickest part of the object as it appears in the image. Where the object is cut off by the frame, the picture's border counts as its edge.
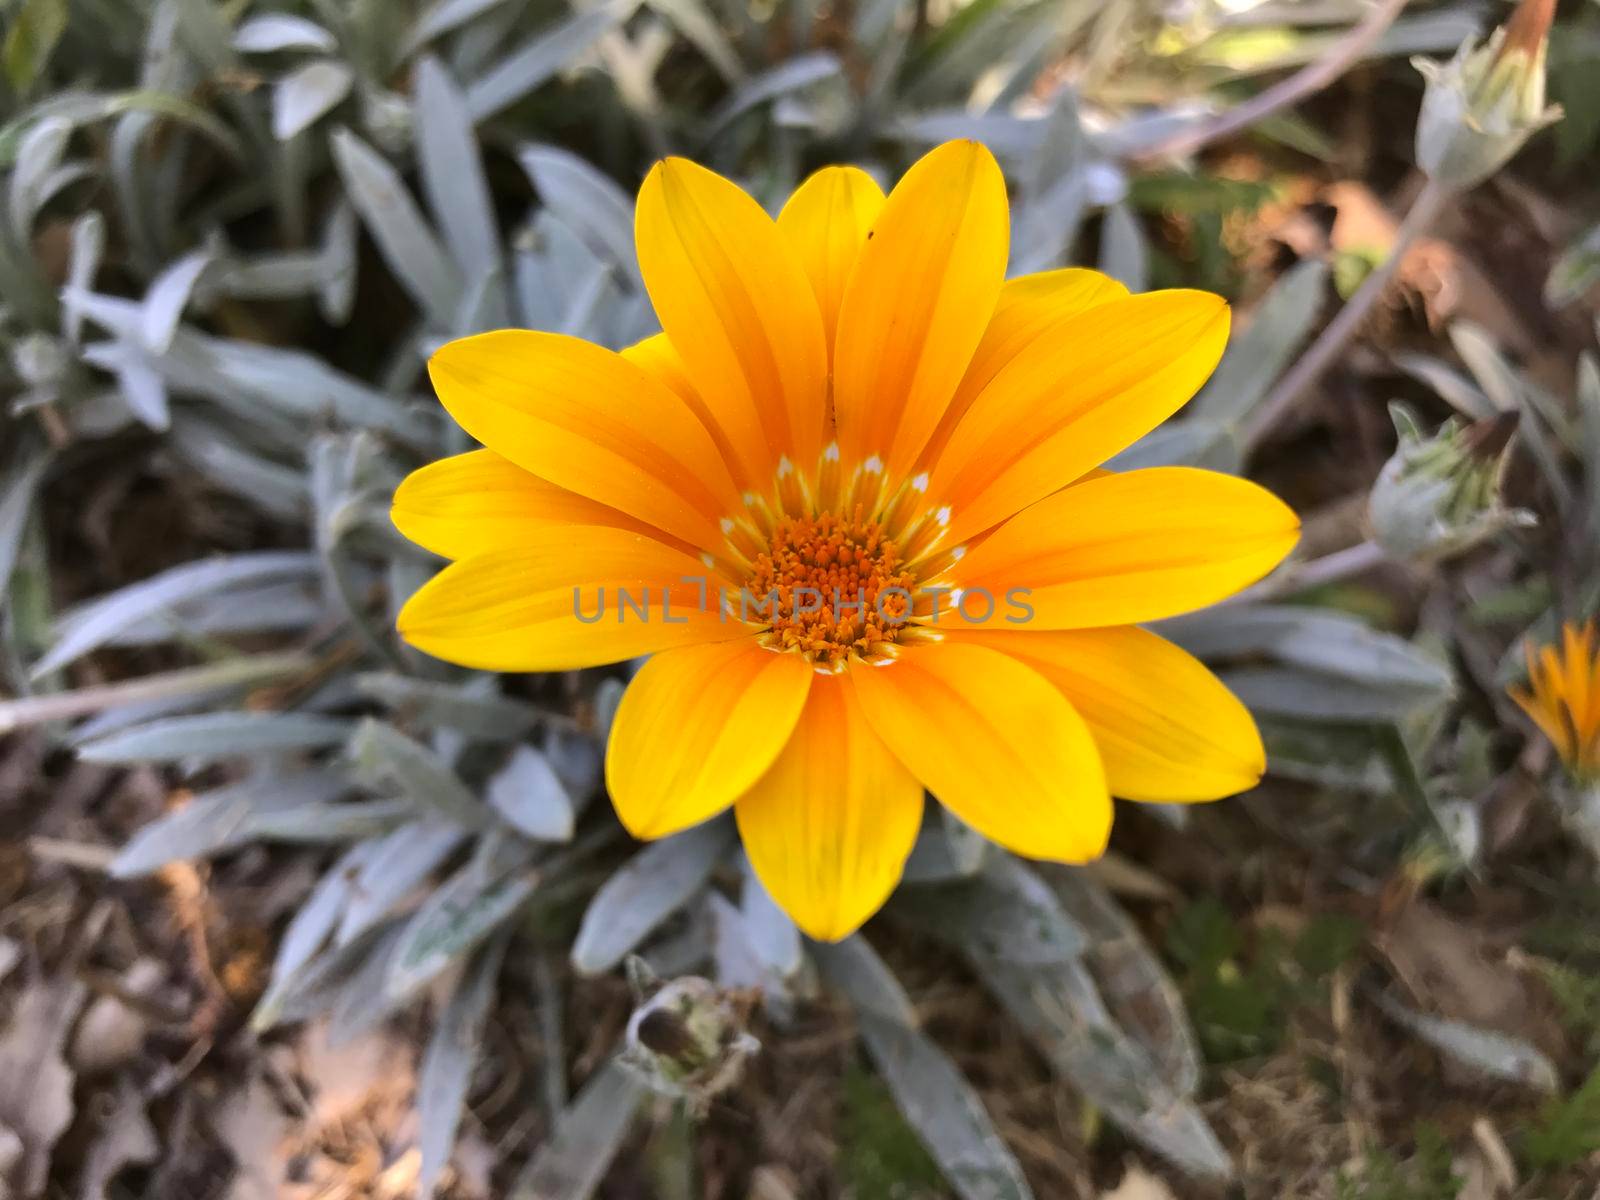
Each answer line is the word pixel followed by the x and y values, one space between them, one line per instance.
pixel 1311 78
pixel 1314 573
pixel 1310 366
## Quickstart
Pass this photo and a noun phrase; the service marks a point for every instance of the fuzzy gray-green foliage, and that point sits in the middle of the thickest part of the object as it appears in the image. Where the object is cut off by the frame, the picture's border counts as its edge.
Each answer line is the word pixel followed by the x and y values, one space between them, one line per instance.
pixel 470 163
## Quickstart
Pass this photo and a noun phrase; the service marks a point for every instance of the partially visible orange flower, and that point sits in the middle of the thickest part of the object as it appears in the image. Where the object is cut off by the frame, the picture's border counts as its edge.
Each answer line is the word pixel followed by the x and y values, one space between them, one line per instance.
pixel 854 489
pixel 1563 697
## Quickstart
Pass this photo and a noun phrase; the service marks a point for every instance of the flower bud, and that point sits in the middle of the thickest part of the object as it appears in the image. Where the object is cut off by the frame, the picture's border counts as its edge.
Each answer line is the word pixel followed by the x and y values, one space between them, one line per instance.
pixel 1481 106
pixel 687 1037
pixel 1439 494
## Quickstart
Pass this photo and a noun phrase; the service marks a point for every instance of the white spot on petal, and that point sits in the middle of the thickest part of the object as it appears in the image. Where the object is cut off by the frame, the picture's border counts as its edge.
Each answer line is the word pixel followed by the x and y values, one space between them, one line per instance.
pixel 831 454
pixel 708 560
pixel 785 467
pixel 873 465
pixel 727 524
pixel 920 482
pixel 943 515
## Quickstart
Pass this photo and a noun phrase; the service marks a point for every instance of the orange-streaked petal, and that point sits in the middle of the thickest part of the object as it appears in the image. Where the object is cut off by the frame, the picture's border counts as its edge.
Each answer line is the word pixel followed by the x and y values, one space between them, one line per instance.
pixel 917 304
pixel 1087 387
pixel 477 502
pixel 1030 306
pixel 829 827
pixel 827 221
pixel 1129 547
pixel 731 294
pixel 996 742
pixel 589 421
pixel 698 726
pixel 1166 727
pixel 657 356
pixel 539 606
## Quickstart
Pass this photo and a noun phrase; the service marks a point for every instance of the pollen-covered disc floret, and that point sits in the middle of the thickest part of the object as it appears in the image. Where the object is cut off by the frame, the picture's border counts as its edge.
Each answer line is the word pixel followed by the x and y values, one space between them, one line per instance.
pixel 832 588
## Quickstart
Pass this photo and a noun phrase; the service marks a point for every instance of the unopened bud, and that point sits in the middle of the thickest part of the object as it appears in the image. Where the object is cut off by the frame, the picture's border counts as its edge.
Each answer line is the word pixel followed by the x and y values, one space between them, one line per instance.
pixel 687 1037
pixel 1481 106
pixel 1440 494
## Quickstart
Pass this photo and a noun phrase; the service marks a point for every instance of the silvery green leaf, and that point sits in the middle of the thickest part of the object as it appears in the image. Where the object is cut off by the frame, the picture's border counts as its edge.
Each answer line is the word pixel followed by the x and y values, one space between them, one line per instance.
pixel 315 987
pixel 94 624
pixel 452 175
pixel 855 969
pixel 1005 911
pixel 1131 979
pixel 218 820
pixel 944 1111
pixel 1329 755
pixel 1309 695
pixel 736 963
pixel 386 759
pixel 282 31
pixel 168 296
pixel 444 16
pixel 272 487
pixel 1011 138
pixel 211 736
pixel 578 761
pixel 586 200
pixel 39 152
pixel 307 93
pixel 330 822
pixel 360 1005
pixel 645 891
pixel 399 861
pixel 1317 639
pixel 802 71
pixel 139 385
pixel 1055 191
pixel 1485 1051
pixel 587 1136
pixel 83 108
pixel 1190 442
pixel 338 260
pixel 1575 271
pixel 1451 386
pixel 404 239
pixel 314 921
pixel 773 934
pixel 464 910
pixel 268 608
pixel 157 694
pixel 17 495
pixel 1588 403
pixel 1259 355
pixel 449 1059
pixel 88 243
pixel 433 705
pixel 535 62
pixel 530 796
pixel 1123 253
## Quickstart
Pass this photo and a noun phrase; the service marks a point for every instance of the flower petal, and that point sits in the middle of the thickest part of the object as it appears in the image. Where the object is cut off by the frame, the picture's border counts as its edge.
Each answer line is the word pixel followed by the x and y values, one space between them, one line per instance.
pixel 829 827
pixel 698 726
pixel 731 294
pixel 996 743
pixel 587 420
pixel 477 502
pixel 1130 547
pixel 552 603
pixel 1166 727
pixel 827 221
pixel 1088 386
pixel 917 304
pixel 1029 307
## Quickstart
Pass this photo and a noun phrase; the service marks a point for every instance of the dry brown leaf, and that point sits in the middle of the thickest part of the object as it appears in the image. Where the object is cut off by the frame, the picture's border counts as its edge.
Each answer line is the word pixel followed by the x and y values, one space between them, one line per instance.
pixel 1139 1184
pixel 35 1081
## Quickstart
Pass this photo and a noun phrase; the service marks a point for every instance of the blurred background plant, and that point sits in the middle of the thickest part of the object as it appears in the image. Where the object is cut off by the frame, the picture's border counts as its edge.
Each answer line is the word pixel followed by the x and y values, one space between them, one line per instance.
pixel 232 234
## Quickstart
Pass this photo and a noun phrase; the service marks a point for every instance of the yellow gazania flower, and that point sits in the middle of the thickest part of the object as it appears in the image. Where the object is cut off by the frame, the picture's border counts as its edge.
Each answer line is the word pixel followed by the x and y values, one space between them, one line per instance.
pixel 1563 697
pixel 851 397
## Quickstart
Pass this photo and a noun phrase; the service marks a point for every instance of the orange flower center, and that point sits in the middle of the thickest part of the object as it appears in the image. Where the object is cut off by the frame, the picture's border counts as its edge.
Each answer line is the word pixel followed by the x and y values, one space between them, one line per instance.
pixel 831 588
